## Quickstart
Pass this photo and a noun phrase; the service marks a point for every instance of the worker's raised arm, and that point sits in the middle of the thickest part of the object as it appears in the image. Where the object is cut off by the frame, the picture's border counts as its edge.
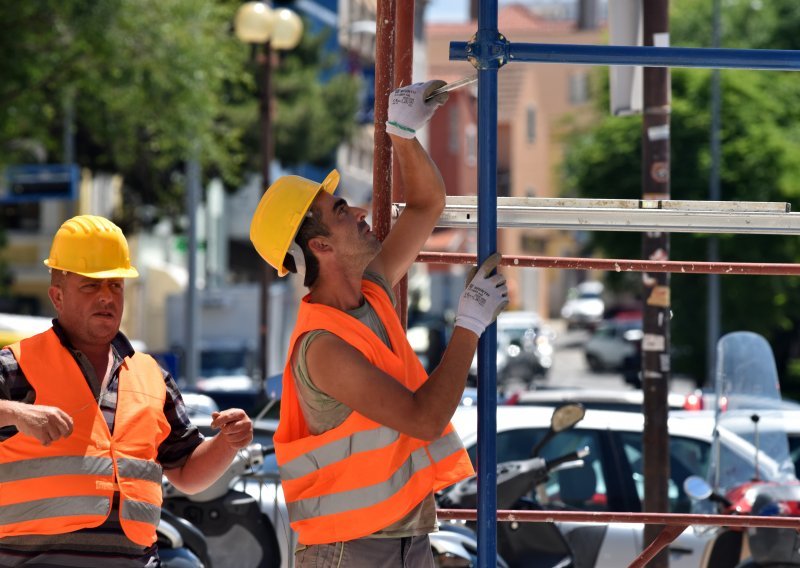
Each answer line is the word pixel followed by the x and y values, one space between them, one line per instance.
pixel 424 187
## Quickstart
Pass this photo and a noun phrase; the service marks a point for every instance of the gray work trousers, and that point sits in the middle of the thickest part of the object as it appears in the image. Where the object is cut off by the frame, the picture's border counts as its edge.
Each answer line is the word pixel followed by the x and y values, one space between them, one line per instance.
pixel 407 552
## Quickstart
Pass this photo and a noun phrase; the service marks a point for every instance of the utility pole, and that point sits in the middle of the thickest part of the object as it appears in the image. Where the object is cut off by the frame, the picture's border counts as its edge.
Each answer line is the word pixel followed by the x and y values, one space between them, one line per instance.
pixel 656 289
pixel 265 118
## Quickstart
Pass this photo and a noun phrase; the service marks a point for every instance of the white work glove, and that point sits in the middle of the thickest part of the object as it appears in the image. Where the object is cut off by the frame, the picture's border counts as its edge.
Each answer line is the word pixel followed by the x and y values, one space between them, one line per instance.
pixel 408 111
pixel 484 297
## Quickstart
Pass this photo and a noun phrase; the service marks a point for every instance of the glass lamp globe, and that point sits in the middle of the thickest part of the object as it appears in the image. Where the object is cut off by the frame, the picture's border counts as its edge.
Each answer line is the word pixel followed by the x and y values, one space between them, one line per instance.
pixel 287 29
pixel 254 22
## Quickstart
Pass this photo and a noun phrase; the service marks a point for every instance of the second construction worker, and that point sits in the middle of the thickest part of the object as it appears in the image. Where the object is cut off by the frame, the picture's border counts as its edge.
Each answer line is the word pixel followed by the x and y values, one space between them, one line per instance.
pixel 365 438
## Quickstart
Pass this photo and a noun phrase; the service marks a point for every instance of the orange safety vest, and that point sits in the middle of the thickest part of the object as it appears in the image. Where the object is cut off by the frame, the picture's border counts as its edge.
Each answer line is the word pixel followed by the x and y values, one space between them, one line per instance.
pixel 69 485
pixel 361 476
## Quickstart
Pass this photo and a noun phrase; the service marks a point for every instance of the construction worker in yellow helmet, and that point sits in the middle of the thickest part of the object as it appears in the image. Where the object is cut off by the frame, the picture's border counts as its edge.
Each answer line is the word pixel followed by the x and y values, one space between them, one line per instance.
pixel 364 439
pixel 97 421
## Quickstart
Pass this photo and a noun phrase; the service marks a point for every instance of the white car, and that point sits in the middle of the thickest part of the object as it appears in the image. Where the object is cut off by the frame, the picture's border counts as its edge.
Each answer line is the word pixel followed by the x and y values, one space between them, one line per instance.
pixel 584 306
pixel 612 478
pixel 596 399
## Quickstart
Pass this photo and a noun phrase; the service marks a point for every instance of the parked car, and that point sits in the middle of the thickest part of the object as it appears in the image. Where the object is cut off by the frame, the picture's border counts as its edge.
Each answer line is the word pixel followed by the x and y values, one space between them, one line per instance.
pixel 615 345
pixel 584 306
pixel 524 348
pixel 16 327
pixel 612 478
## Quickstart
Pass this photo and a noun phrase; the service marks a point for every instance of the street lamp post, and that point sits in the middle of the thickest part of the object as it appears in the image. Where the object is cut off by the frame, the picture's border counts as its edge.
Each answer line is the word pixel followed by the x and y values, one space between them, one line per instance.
pixel 272 29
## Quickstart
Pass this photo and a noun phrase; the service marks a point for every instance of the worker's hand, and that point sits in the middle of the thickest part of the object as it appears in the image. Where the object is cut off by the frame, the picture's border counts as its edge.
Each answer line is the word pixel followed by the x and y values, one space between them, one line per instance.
pixel 45 423
pixel 235 427
pixel 408 111
pixel 484 297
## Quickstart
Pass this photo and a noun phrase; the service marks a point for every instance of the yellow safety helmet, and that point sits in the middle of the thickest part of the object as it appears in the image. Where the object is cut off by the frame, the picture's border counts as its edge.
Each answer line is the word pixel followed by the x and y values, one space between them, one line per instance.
pixel 91 246
pixel 280 213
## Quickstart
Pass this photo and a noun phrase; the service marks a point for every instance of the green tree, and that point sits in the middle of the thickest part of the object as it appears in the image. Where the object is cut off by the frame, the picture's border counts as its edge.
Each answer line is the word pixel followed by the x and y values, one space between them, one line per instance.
pixel 760 162
pixel 152 82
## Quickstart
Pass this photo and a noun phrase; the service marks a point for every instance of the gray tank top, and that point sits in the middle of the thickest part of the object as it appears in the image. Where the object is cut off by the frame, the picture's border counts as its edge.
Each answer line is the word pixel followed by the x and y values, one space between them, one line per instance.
pixel 323 413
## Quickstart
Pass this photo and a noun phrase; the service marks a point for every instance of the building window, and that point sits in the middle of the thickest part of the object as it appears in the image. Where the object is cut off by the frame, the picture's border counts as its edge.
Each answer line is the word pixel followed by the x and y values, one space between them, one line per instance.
pixel 24 216
pixel 578 88
pixel 531 125
pixel 453 130
pixel 471 145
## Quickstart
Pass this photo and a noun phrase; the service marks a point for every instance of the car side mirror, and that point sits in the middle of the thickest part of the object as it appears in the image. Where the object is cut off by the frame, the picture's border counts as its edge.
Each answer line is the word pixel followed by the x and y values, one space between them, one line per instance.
pixel 697 488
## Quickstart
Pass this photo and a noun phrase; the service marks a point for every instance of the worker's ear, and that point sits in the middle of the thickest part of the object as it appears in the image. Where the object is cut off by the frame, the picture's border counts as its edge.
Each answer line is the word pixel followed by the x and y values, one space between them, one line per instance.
pixel 56 295
pixel 319 245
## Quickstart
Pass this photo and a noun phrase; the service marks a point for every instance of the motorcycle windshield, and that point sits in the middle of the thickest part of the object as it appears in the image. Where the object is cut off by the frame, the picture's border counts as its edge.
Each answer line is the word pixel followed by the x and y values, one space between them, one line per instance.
pixel 749 407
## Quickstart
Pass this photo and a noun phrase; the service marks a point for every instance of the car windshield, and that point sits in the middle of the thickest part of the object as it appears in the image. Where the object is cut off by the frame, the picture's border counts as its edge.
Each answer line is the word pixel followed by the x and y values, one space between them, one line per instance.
pixel 588 296
pixel 221 362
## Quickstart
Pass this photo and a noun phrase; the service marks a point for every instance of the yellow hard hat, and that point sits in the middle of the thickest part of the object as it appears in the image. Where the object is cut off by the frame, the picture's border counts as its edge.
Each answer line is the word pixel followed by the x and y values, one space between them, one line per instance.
pixel 280 213
pixel 91 246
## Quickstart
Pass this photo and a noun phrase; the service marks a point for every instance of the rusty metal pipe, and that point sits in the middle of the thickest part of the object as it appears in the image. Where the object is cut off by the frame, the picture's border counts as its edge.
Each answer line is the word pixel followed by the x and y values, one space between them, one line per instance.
pixel 622 265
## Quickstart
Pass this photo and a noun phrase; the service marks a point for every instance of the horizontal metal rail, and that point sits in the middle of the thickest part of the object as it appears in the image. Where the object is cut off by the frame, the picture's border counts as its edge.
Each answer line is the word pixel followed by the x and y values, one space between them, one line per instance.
pixel 626 215
pixel 620 265
pixel 673 524
pixel 645 56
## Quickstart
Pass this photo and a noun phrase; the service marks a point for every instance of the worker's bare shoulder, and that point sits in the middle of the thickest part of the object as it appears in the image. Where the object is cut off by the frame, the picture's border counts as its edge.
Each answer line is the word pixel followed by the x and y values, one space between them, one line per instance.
pixel 331 356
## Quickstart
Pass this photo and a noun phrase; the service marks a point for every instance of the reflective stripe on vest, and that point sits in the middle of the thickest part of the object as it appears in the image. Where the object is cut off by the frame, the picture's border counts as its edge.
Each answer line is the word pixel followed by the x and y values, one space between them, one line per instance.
pixel 140 511
pixel 55 465
pixel 60 507
pixel 139 469
pixel 367 496
pixel 69 485
pixel 330 453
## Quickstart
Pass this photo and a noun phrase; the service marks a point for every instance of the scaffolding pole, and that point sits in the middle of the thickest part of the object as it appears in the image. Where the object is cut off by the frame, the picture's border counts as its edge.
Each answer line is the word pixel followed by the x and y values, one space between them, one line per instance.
pixel 488 50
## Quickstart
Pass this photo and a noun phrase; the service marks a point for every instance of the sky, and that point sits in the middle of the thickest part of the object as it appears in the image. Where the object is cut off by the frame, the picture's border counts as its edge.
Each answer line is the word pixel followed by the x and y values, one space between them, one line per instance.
pixel 447 11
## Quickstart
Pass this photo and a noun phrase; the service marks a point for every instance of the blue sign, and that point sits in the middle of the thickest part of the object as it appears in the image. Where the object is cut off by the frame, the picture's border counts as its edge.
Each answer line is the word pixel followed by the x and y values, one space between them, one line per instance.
pixel 36 182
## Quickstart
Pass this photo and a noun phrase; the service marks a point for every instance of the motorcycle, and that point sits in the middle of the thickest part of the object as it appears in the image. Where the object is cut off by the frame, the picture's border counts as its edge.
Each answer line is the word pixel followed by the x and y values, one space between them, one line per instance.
pixel 749 405
pixel 521 485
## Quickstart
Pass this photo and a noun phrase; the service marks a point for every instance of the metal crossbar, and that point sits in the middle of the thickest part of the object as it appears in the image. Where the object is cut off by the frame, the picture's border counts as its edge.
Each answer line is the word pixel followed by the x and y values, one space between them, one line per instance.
pixel 673 524
pixel 703 57
pixel 622 265
pixel 671 216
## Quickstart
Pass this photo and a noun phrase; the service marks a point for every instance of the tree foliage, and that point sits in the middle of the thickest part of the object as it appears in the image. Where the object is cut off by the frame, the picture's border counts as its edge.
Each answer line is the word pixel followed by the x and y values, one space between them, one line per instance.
pixel 760 134
pixel 153 83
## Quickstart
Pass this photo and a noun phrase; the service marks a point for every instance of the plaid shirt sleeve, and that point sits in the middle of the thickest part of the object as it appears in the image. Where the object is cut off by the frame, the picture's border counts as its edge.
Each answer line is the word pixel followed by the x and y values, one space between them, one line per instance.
pixel 184 437
pixel 13 384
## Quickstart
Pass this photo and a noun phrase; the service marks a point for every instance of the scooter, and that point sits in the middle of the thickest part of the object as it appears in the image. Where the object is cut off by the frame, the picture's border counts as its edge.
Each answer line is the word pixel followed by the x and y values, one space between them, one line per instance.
pixel 235 529
pixel 749 405
pixel 521 486
pixel 180 544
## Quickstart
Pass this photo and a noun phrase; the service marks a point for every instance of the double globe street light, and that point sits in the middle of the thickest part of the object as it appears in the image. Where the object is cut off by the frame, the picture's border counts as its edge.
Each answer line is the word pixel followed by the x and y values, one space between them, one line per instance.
pixel 273 29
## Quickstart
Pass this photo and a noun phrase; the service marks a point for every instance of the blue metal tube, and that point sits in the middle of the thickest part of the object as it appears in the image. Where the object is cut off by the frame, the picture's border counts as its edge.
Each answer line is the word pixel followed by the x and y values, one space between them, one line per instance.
pixel 487 245
pixel 766 59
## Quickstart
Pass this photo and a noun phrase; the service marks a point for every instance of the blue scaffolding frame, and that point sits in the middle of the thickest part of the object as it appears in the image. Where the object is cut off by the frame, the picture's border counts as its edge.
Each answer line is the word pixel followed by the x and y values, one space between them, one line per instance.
pixel 489 50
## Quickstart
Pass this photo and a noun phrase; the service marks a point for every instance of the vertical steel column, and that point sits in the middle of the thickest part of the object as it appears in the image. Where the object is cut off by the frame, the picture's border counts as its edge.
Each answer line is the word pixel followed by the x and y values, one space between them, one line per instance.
pixel 382 148
pixel 487 46
pixel 656 289
pixel 403 65
pixel 714 194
